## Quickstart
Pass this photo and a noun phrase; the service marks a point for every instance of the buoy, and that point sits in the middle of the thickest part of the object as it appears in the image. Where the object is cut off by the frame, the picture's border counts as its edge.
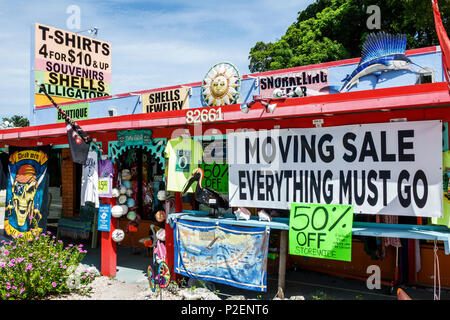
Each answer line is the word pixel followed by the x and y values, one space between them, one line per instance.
pixel 118 235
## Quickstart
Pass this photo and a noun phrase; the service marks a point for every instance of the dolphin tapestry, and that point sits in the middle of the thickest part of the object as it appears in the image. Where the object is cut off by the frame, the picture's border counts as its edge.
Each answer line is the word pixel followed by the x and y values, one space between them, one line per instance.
pixel 27 191
pixel 235 256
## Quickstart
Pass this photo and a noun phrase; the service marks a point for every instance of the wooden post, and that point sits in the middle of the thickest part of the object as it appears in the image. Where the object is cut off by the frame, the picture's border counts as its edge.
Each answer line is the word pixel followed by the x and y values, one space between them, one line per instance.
pixel 282 263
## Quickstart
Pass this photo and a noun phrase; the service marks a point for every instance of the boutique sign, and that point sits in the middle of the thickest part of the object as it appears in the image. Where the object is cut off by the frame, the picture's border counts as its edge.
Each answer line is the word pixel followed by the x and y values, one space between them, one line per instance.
pixel 385 168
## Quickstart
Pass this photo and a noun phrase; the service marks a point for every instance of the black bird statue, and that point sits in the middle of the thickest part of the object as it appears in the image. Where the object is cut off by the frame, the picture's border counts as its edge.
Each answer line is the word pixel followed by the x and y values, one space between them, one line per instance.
pixel 205 195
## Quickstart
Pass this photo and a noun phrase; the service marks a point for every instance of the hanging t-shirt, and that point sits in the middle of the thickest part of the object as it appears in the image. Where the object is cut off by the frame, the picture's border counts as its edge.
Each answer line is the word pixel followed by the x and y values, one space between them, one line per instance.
pixel 105 178
pixel 445 219
pixel 184 155
pixel 89 180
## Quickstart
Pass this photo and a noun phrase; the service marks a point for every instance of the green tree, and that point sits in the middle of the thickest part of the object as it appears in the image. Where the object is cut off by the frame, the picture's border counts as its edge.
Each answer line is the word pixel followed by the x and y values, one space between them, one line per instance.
pixel 330 30
pixel 18 121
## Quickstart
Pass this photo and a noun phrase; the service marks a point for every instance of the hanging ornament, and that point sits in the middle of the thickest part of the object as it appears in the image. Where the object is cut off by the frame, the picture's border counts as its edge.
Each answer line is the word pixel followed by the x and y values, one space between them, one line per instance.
pixel 160 216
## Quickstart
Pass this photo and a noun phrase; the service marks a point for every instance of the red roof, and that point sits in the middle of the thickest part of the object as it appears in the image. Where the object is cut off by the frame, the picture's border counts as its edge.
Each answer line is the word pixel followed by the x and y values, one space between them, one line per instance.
pixel 260 74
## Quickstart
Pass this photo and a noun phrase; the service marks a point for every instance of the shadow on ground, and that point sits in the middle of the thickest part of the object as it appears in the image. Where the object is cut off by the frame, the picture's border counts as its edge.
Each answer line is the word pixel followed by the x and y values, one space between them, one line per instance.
pixel 132 268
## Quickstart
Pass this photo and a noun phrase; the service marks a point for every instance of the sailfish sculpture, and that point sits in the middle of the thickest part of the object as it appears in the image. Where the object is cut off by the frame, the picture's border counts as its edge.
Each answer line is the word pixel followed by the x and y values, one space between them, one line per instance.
pixel 381 52
pixel 205 195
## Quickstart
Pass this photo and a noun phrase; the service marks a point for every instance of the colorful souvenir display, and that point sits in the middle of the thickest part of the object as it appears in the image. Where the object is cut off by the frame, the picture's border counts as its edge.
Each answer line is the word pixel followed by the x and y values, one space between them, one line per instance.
pixel 242 214
pixel 117 211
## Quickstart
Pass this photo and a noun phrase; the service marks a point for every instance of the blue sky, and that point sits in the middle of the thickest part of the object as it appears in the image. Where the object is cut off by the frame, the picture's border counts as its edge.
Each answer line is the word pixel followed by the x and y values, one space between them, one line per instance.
pixel 154 43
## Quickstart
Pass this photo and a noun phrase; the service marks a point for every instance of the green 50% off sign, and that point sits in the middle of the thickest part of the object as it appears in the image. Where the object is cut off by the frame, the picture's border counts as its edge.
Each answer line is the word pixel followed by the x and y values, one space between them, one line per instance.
pixel 321 231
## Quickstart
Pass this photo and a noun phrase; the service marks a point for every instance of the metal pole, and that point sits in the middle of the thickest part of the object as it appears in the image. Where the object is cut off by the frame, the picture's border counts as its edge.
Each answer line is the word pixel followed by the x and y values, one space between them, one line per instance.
pixel 86 138
pixel 282 264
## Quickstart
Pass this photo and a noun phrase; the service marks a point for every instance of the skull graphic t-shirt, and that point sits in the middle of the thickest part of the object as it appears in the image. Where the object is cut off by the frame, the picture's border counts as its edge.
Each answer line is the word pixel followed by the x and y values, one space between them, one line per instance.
pixel 184 156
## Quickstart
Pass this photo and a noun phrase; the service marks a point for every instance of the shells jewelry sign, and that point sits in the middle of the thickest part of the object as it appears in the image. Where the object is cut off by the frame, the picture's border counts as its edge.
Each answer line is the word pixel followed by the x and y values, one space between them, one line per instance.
pixel 221 85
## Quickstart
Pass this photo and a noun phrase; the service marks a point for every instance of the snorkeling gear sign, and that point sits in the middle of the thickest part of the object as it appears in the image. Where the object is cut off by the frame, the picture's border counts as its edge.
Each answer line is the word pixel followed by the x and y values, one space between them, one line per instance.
pixel 26 197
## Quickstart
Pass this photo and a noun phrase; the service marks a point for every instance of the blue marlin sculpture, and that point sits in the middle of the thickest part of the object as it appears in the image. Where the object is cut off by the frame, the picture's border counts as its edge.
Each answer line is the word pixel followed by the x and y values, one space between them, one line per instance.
pixel 381 52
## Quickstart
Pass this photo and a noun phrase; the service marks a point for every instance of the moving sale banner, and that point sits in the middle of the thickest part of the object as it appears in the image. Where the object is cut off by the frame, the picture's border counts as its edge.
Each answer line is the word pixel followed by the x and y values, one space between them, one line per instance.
pixel 383 168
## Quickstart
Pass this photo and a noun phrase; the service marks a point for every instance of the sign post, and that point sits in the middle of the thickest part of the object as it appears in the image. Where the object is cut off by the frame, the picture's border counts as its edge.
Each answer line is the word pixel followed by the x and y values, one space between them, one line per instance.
pixel 71 66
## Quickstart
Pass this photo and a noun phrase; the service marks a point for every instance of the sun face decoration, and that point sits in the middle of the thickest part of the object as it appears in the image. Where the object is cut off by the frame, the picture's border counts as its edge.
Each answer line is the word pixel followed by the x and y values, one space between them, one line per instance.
pixel 221 85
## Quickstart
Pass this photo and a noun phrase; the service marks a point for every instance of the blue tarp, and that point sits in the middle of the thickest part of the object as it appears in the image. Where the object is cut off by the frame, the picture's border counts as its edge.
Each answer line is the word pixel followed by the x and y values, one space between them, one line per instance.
pixel 222 253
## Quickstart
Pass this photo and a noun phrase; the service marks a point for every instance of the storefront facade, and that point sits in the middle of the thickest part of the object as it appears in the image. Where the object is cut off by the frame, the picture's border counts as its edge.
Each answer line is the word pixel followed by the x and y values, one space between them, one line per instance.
pixel 133 130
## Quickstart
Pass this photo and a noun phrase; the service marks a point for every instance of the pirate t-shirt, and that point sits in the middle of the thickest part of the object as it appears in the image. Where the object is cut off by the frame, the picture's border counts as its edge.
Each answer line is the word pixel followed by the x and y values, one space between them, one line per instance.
pixel 184 156
pixel 3 170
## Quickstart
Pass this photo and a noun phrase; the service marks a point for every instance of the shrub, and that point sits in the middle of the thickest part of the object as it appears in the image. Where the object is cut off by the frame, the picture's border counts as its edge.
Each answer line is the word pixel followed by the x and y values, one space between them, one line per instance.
pixel 39 267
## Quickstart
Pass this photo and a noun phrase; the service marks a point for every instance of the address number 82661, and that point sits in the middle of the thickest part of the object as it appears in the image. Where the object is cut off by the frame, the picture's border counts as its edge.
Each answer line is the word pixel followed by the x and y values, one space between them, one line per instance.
pixel 204 115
